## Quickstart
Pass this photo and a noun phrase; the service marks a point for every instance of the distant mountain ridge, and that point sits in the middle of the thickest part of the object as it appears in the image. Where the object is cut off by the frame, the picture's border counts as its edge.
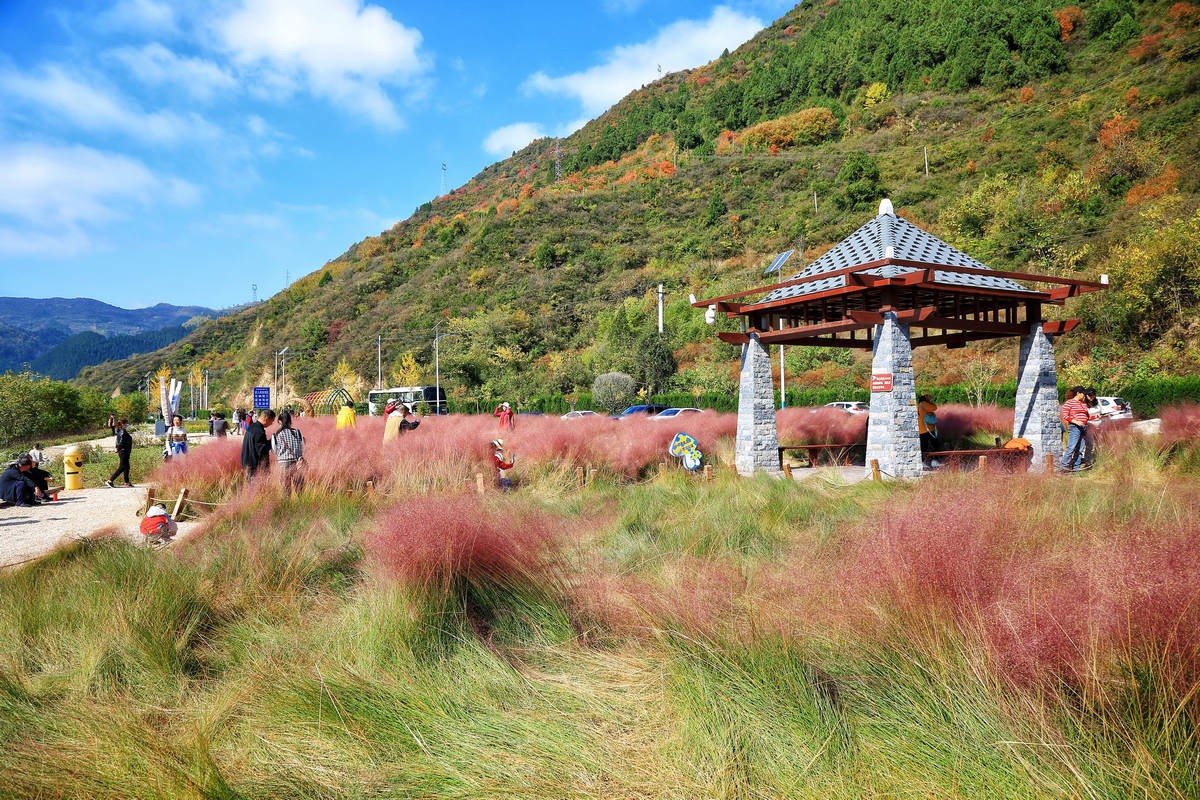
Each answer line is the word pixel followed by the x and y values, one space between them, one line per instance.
pixel 79 314
pixel 32 327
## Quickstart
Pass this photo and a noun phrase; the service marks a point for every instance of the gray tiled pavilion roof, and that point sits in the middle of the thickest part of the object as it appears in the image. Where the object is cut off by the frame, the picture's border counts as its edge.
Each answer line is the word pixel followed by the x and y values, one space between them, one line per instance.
pixel 889 236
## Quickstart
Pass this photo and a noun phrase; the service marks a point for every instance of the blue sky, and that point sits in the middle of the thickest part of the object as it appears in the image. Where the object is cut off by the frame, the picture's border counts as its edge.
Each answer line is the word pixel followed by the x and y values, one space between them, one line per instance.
pixel 184 151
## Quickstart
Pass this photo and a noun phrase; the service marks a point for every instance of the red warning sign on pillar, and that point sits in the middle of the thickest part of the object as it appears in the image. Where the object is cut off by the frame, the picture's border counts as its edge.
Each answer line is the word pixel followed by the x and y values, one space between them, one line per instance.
pixel 881 382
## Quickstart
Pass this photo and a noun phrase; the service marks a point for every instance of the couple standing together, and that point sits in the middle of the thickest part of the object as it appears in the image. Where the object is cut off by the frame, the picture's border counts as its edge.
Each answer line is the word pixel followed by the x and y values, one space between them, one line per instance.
pixel 287 443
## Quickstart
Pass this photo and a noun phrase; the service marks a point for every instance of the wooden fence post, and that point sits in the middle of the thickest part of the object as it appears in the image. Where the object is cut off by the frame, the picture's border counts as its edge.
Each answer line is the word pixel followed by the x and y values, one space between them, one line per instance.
pixel 479 482
pixel 579 477
pixel 983 463
pixel 1049 463
pixel 370 488
pixel 708 472
pixel 875 476
pixel 787 470
pixel 179 503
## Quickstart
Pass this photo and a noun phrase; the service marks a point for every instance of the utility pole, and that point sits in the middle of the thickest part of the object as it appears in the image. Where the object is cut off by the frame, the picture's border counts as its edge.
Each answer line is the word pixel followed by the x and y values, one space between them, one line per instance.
pixel 443 179
pixel 782 379
pixel 379 361
pixel 814 201
pixel 283 376
pixel 926 149
pixel 660 308
pixel 437 366
pixel 206 405
pixel 254 294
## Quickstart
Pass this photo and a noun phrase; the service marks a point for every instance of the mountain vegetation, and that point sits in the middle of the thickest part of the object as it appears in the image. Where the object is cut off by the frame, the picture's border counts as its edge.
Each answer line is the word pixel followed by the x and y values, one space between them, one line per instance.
pixel 31 327
pixel 1035 137
pixel 64 360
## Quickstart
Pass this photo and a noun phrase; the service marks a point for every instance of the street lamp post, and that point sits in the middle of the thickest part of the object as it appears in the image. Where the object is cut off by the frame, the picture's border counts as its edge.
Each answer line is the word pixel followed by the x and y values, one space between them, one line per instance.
pixel 283 376
pixel 437 367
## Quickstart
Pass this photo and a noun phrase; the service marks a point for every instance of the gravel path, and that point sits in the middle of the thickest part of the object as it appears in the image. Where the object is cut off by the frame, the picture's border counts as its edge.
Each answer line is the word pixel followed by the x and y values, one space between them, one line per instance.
pixel 29 533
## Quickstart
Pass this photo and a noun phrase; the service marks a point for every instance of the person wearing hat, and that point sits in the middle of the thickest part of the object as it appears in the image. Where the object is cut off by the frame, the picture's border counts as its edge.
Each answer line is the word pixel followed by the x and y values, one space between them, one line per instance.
pixel 507 417
pixel 1074 416
pixel 503 462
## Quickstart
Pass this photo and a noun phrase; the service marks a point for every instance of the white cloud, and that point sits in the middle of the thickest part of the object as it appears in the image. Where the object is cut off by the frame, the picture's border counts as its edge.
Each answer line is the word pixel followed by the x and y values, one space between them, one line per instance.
pixel 139 15
pixel 340 50
pixel 50 195
pixel 511 138
pixel 155 65
pixel 681 45
pixel 98 109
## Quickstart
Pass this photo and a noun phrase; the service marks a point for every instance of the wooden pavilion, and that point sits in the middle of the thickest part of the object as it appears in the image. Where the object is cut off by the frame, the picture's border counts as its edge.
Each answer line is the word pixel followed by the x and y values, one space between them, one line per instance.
pixel 889 287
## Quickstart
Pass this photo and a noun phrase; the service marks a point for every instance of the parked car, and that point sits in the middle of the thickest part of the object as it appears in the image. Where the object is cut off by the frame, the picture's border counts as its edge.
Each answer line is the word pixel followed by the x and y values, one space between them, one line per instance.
pixel 853 406
pixel 579 414
pixel 645 409
pixel 672 413
pixel 1115 408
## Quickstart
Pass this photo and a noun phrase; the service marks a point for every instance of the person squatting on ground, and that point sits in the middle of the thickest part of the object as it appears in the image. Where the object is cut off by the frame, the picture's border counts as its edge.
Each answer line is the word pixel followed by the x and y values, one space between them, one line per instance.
pixel 1074 416
pixel 256 447
pixel 507 417
pixel 177 436
pixel 927 427
pixel 288 445
pixel 124 448
pixel 17 486
pixel 503 462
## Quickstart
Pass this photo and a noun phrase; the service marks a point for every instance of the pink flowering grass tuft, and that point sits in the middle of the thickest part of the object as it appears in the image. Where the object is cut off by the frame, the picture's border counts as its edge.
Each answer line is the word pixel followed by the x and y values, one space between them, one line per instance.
pixel 964 422
pixel 820 426
pixel 1180 424
pixel 1050 595
pixel 436 541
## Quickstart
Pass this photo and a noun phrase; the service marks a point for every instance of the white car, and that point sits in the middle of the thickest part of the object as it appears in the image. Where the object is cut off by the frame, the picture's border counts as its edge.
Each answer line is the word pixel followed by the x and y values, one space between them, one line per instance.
pixel 1115 408
pixel 853 406
pixel 672 413
pixel 580 414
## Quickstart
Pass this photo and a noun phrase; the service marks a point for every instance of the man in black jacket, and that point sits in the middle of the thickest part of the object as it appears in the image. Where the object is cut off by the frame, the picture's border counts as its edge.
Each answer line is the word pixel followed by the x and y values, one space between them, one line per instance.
pixel 124 448
pixel 256 447
pixel 16 486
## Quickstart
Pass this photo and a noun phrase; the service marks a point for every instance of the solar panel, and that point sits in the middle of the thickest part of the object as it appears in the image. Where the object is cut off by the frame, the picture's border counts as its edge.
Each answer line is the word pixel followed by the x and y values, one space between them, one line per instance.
pixel 779 261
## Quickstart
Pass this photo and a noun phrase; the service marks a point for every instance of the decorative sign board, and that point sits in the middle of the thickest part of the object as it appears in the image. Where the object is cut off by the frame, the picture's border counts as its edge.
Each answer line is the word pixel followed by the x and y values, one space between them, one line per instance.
pixel 686 447
pixel 262 396
pixel 881 382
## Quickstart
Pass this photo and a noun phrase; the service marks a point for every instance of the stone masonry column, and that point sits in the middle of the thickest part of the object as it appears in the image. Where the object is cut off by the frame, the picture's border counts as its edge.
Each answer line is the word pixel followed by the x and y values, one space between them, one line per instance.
pixel 1036 414
pixel 757 446
pixel 892 428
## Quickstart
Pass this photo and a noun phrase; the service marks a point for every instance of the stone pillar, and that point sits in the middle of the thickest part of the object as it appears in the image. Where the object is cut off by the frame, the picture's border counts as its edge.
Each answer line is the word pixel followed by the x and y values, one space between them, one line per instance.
pixel 892 429
pixel 1036 414
pixel 757 446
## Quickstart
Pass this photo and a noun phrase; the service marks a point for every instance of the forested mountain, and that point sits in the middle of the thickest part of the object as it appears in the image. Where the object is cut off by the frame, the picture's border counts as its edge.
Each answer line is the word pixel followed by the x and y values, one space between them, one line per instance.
pixel 63 361
pixel 1033 136
pixel 31 327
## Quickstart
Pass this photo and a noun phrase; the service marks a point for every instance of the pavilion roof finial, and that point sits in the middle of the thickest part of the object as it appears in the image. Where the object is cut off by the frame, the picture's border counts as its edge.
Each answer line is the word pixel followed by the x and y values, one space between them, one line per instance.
pixel 885 207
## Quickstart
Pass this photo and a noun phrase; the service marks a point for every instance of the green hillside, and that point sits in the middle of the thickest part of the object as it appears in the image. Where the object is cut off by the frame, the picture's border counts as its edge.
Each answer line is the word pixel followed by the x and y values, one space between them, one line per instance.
pixel 1058 140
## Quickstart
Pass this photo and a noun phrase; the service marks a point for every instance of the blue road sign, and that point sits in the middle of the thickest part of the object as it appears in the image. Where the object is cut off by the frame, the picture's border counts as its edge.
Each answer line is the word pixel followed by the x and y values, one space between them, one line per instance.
pixel 262 396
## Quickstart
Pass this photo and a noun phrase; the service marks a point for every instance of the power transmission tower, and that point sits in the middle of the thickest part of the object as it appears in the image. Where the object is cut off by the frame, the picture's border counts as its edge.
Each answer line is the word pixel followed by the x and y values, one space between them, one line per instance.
pixel 254 293
pixel 557 162
pixel 443 194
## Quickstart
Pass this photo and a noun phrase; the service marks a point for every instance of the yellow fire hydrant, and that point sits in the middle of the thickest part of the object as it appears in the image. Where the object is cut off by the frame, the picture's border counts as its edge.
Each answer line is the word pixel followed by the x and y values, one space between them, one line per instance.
pixel 73 458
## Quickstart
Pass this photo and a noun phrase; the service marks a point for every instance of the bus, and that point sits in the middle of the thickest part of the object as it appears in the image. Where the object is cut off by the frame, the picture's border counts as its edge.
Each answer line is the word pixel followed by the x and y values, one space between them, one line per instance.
pixel 409 395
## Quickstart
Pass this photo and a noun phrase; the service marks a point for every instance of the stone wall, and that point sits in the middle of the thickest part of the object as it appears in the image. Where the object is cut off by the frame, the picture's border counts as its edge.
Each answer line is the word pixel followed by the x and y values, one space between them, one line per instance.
pixel 757 446
pixel 892 429
pixel 1036 415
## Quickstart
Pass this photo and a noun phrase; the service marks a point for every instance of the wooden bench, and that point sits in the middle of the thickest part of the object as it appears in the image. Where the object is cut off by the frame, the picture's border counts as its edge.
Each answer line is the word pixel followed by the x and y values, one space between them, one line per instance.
pixel 835 454
pixel 1008 458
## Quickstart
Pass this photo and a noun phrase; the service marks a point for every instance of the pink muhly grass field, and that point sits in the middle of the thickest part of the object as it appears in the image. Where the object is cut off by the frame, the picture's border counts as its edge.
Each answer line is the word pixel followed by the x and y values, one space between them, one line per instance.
pixel 1180 424
pixel 957 421
pixel 436 540
pixel 819 426
pixel 1049 599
